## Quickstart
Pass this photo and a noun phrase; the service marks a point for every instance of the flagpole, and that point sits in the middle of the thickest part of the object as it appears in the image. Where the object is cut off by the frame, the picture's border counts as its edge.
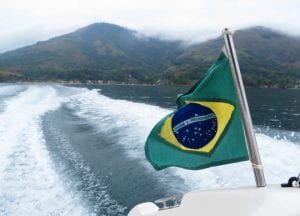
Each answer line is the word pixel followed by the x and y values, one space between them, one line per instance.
pixel 248 127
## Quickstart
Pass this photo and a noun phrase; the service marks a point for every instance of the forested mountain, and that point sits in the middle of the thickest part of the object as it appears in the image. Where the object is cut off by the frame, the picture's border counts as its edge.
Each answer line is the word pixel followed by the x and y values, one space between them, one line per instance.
pixel 99 51
pixel 103 51
pixel 266 57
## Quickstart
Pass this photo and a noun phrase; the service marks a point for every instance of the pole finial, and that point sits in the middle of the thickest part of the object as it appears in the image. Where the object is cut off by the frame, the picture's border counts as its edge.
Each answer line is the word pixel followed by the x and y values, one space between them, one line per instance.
pixel 226 31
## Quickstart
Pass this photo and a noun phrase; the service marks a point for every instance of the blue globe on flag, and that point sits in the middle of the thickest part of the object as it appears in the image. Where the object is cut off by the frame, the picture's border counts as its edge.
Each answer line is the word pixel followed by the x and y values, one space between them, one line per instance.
pixel 194 125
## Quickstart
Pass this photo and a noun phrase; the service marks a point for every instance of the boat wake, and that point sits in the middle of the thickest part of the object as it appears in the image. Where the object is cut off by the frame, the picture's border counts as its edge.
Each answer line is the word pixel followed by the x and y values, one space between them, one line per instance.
pixel 29 184
pixel 131 123
pixel 42 175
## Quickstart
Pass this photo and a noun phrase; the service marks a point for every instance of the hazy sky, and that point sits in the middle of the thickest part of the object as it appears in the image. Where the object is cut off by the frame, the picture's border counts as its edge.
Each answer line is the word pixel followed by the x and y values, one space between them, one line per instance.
pixel 24 22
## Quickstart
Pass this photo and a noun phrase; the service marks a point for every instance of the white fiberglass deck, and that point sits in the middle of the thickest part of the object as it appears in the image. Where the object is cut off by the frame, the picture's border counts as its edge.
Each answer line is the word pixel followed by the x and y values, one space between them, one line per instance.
pixel 266 201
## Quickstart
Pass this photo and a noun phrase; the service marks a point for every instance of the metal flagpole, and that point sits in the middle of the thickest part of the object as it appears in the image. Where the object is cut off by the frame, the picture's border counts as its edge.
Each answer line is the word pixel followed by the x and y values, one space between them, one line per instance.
pixel 251 141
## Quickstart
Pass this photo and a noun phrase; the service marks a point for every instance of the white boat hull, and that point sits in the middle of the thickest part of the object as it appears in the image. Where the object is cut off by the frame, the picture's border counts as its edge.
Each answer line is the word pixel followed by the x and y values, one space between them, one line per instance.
pixel 250 201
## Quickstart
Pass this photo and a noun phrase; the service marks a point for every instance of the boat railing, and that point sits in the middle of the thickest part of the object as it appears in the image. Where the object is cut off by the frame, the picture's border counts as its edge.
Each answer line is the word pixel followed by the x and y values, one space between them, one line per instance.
pixel 169 202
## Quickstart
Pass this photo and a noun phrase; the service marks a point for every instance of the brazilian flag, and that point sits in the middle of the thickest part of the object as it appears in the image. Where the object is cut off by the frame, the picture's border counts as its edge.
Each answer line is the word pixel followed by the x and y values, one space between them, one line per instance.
pixel 206 130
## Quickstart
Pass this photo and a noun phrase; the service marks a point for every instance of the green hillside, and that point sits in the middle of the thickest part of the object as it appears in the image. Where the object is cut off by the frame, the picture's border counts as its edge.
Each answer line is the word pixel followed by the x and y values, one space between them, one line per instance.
pixel 266 57
pixel 99 51
pixel 103 51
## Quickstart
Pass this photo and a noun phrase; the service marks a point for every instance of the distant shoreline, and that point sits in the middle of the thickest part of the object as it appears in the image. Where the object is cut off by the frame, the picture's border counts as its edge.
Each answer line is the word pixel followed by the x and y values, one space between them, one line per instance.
pixel 74 83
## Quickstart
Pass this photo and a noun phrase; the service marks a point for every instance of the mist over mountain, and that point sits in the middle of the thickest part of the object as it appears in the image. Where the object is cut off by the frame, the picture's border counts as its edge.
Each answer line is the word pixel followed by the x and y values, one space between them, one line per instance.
pixel 103 51
pixel 99 51
pixel 266 57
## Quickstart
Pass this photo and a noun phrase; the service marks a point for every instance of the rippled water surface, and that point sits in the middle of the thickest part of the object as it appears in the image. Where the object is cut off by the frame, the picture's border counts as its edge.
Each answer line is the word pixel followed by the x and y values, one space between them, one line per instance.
pixel 80 150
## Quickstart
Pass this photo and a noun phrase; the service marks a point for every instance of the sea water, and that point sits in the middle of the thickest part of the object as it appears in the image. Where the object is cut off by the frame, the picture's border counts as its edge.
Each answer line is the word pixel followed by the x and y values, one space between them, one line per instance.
pixel 80 150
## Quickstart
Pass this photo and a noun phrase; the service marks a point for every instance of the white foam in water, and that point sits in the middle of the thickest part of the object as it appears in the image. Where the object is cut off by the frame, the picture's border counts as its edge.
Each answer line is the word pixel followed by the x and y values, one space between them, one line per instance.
pixel 29 184
pixel 7 90
pixel 280 159
pixel 128 122
pixel 131 122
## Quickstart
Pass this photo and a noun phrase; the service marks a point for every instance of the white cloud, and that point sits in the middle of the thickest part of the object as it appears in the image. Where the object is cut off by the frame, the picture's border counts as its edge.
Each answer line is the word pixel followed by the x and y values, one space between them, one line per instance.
pixel 24 22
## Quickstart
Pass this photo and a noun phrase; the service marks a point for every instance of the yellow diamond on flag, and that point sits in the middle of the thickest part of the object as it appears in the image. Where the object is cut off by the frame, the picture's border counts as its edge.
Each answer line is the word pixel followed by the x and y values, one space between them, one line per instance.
pixel 197 126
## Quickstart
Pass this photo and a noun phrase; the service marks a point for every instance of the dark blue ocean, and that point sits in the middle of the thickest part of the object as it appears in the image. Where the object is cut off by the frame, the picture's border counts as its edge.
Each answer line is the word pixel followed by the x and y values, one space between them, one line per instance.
pixel 79 150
